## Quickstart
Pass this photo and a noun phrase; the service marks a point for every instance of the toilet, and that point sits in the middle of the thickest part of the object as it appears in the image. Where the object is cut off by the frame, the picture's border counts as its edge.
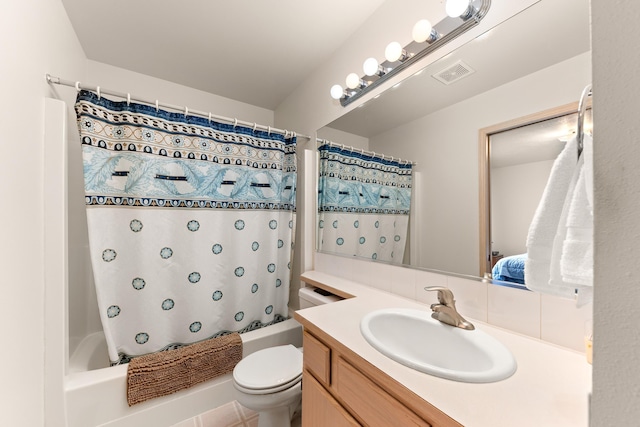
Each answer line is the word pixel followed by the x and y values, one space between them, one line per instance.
pixel 269 381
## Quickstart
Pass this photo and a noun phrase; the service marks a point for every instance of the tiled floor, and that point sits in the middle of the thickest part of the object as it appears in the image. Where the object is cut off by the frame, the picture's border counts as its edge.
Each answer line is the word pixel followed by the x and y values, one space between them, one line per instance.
pixel 230 415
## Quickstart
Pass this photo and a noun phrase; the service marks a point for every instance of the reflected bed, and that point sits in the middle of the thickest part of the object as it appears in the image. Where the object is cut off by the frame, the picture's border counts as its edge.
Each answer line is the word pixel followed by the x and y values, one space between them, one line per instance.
pixel 510 269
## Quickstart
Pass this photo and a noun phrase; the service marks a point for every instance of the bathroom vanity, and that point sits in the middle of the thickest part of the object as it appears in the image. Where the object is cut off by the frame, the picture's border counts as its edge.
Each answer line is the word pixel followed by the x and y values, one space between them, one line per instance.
pixel 340 389
pixel 346 382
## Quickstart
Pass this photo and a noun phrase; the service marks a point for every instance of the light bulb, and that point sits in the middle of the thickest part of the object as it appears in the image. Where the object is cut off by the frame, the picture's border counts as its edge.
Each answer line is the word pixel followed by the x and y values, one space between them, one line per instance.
pixel 455 8
pixel 394 52
pixel 370 67
pixel 353 81
pixel 422 31
pixel 337 92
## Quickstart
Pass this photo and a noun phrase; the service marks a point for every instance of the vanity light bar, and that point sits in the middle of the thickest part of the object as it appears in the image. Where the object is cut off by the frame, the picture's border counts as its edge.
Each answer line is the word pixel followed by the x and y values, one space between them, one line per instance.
pixel 443 32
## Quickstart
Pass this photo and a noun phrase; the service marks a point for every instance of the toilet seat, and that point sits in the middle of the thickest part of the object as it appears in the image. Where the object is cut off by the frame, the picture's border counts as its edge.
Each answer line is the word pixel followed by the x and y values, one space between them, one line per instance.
pixel 269 371
pixel 271 390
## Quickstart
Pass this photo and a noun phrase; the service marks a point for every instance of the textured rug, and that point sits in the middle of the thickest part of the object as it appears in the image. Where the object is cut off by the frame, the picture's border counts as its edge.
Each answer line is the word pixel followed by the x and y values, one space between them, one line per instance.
pixel 166 372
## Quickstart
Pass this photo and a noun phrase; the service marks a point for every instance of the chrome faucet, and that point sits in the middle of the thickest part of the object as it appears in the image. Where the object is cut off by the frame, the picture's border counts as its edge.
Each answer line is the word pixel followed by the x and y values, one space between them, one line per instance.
pixel 446 311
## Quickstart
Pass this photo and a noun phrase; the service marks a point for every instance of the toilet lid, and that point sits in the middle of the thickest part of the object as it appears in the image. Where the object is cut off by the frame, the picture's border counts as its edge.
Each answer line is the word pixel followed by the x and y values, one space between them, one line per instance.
pixel 269 368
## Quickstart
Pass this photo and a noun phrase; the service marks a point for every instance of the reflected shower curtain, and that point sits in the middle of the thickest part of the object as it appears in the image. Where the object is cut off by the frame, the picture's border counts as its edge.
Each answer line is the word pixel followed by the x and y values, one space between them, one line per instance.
pixel 363 204
pixel 190 224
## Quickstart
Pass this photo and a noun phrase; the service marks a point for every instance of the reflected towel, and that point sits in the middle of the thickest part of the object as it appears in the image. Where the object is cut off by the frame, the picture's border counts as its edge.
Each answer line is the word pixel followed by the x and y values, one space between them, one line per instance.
pixel 547 218
pixel 166 372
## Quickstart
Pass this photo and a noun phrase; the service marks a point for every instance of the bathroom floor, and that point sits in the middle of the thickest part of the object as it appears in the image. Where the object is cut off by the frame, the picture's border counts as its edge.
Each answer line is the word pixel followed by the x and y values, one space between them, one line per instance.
pixel 230 415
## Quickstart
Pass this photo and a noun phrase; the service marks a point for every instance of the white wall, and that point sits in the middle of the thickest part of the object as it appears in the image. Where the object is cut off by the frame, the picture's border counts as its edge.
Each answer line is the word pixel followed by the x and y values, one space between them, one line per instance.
pixel 35 38
pixel 616 87
pixel 151 88
pixel 446 150
pixel 515 194
pixel 344 138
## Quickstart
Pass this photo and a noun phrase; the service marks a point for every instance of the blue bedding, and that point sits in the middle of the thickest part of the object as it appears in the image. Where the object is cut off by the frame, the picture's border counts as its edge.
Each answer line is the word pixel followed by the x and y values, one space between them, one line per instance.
pixel 510 269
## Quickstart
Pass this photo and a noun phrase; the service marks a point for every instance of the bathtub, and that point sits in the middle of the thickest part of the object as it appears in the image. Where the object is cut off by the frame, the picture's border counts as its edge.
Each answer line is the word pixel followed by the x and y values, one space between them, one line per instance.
pixel 95 394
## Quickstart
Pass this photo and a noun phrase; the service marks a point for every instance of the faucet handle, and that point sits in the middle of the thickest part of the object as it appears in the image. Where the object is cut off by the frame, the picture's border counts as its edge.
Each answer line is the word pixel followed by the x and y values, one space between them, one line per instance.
pixel 445 296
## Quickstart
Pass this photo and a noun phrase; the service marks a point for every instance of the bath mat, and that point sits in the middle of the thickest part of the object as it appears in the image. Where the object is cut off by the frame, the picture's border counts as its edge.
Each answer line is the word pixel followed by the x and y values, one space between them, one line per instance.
pixel 166 372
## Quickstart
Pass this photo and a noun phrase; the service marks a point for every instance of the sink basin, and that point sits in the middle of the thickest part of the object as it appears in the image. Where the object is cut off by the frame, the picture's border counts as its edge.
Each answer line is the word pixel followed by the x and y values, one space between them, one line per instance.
pixel 414 339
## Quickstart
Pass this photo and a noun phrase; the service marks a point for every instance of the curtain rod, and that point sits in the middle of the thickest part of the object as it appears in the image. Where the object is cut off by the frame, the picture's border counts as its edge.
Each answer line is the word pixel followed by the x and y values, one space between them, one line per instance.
pixel 369 153
pixel 57 80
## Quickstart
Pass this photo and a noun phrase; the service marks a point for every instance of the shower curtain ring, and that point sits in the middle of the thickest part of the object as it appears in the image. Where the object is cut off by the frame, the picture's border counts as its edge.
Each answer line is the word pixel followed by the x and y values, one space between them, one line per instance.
pixel 186 111
pixel 209 117
pixel 98 90
pixel 128 99
pixel 269 130
pixel 255 125
pixel 235 122
pixel 78 86
pixel 156 105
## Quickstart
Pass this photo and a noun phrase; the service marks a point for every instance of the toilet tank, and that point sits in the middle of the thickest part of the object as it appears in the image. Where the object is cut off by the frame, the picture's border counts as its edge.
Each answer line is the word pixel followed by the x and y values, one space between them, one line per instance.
pixel 311 296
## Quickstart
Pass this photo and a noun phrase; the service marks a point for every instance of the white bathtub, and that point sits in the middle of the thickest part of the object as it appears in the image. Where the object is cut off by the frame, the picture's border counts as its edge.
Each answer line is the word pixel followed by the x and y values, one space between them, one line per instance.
pixel 95 394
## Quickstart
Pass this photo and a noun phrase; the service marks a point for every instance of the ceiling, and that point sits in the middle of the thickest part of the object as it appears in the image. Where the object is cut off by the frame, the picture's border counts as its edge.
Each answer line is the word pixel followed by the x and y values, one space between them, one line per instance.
pixel 536 142
pixel 256 52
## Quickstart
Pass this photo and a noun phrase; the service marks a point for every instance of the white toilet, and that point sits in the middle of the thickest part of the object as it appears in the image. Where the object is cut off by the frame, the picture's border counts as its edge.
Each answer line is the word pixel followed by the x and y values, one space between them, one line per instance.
pixel 269 381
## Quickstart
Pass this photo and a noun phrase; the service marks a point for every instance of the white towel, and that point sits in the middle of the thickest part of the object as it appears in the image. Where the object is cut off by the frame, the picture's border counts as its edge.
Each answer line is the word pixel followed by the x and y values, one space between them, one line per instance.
pixel 544 226
pixel 576 259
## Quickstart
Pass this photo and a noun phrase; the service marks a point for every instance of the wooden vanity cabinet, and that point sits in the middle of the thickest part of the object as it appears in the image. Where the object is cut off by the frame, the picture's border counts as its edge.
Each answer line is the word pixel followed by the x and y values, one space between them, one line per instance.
pixel 340 389
pixel 319 408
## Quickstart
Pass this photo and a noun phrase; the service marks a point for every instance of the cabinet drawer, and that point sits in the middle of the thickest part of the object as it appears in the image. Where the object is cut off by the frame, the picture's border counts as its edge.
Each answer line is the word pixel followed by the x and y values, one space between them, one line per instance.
pixel 317 358
pixel 374 406
pixel 320 409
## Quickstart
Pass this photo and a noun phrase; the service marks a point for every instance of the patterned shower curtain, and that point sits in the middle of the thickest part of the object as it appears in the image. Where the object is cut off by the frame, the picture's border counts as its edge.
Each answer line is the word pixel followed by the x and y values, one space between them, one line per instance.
pixel 363 204
pixel 190 224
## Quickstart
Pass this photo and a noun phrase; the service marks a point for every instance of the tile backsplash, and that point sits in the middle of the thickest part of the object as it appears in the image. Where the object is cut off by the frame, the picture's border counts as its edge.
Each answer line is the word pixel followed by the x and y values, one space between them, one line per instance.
pixel 514 309
pixel 552 319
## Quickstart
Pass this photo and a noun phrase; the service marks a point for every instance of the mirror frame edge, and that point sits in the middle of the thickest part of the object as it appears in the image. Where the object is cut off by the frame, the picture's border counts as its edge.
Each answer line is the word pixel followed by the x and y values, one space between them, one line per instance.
pixel 484 169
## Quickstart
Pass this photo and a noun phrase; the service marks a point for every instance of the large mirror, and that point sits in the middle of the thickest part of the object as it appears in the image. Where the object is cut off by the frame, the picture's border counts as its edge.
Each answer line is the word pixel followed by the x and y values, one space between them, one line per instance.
pixel 536 60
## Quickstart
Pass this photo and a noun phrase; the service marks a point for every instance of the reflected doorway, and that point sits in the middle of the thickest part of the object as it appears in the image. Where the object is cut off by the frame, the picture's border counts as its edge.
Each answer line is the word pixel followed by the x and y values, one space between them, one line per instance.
pixel 516 158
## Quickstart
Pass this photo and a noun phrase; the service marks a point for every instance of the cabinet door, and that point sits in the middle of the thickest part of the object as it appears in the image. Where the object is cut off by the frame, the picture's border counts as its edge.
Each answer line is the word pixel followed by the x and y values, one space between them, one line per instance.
pixel 320 409
pixel 317 358
pixel 369 402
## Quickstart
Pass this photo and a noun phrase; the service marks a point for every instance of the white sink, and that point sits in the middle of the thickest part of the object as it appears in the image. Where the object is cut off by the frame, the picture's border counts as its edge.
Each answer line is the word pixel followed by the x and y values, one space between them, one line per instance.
pixel 414 339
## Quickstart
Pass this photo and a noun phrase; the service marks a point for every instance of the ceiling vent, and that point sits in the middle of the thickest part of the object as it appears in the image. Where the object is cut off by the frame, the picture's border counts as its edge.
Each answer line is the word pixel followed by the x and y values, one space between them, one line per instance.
pixel 453 73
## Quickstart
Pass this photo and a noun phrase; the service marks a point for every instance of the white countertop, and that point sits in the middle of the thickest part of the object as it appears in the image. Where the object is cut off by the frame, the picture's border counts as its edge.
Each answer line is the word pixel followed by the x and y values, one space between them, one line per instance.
pixel 550 387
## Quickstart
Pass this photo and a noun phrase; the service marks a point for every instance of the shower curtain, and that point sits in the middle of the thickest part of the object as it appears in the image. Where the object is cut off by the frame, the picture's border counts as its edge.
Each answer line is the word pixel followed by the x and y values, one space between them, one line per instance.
pixel 190 224
pixel 363 204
